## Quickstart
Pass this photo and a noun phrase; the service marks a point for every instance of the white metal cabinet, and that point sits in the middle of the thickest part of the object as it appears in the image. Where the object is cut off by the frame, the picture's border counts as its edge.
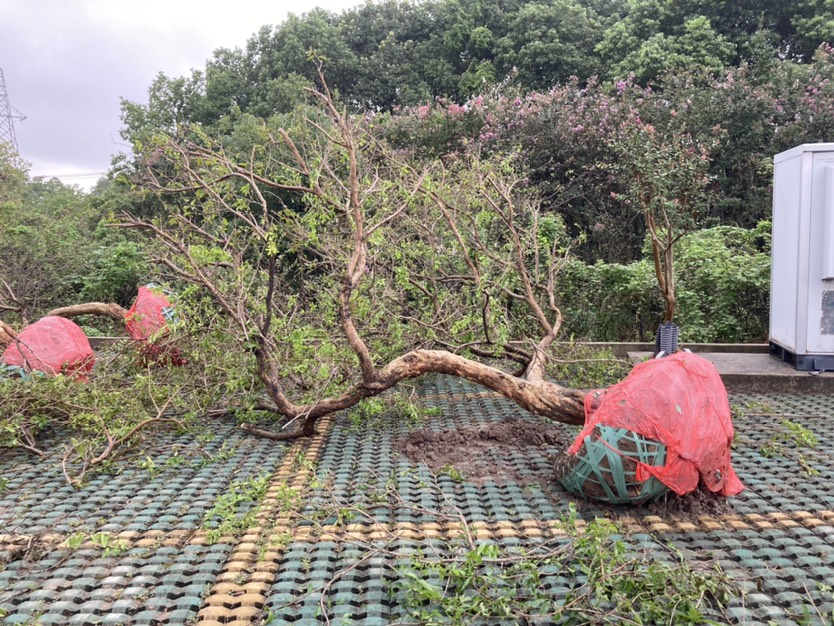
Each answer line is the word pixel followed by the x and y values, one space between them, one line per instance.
pixel 802 266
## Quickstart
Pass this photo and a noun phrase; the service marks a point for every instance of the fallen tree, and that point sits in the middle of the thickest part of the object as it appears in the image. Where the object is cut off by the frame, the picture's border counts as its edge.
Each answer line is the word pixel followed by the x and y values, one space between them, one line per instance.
pixel 347 270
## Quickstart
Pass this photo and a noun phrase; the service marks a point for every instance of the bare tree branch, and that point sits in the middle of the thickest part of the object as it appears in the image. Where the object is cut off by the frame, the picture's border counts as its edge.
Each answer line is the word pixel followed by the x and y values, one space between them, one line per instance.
pixel 113 311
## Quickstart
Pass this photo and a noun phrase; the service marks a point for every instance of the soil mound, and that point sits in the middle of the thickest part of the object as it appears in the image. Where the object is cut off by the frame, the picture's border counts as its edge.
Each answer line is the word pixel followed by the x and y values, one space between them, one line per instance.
pixel 481 454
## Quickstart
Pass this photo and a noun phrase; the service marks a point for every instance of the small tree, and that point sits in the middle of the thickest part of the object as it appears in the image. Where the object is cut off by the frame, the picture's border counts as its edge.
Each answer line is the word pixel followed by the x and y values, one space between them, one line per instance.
pixel 346 271
pixel 665 178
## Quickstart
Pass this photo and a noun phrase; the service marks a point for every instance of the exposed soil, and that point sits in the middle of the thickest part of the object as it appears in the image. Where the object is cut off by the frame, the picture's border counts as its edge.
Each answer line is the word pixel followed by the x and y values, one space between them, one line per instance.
pixel 691 506
pixel 477 452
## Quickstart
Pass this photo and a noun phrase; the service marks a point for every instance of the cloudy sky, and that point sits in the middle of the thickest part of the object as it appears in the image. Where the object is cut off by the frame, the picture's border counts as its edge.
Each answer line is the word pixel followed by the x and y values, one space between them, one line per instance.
pixel 68 62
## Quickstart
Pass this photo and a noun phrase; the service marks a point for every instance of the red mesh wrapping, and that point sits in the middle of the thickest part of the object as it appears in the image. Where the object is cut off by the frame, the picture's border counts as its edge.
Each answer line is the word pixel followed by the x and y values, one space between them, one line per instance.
pixel 681 401
pixel 146 317
pixel 147 322
pixel 52 345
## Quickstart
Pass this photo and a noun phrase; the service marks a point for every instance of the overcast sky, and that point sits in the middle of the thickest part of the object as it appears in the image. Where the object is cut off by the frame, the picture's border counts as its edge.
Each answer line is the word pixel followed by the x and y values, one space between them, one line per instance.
pixel 68 62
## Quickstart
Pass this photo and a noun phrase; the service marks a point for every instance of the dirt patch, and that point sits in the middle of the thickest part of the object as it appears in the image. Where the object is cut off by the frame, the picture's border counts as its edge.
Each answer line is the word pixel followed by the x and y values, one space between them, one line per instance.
pixel 692 506
pixel 478 454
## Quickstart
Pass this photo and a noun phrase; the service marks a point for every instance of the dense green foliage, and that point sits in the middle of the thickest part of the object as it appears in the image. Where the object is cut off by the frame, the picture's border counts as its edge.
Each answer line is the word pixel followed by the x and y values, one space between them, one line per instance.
pixel 723 286
pixel 53 251
pixel 393 53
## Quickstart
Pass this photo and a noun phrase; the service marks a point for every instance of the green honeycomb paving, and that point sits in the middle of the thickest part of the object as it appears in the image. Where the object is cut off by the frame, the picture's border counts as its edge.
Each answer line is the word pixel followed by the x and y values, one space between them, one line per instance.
pixel 779 570
pixel 372 591
pixel 360 478
pixel 141 586
pixel 368 472
pixel 783 572
pixel 171 486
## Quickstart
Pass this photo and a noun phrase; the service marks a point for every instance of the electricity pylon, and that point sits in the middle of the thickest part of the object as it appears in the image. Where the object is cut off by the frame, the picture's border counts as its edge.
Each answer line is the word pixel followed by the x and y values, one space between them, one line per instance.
pixel 8 116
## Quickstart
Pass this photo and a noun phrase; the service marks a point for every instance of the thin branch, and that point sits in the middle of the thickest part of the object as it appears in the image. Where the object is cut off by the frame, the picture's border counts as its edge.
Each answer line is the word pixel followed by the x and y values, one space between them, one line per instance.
pixel 400 210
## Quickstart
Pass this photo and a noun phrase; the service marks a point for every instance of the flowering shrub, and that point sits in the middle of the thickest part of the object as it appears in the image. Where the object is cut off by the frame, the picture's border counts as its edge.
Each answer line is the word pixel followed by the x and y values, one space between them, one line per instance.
pixel 573 138
pixel 810 101
pixel 433 129
pixel 586 145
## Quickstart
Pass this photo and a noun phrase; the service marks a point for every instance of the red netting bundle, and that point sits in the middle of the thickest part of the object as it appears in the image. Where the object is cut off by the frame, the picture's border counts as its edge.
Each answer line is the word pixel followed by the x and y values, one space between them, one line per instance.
pixel 52 345
pixel 149 315
pixel 147 322
pixel 680 401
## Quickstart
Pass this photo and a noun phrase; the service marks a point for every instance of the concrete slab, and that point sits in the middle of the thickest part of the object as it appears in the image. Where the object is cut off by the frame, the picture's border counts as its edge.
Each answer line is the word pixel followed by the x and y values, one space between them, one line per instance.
pixel 757 372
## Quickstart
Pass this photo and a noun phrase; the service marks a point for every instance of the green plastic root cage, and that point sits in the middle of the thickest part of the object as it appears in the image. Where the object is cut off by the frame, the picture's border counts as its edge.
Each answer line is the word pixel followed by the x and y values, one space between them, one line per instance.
pixel 604 467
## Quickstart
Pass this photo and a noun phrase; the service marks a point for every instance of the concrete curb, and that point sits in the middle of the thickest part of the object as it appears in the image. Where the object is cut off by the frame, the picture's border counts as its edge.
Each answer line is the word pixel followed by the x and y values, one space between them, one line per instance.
pixel 758 372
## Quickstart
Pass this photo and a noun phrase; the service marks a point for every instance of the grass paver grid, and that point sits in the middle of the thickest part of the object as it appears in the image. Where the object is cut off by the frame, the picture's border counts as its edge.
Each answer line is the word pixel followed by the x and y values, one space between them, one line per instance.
pixel 366 508
pixel 140 586
pixel 170 486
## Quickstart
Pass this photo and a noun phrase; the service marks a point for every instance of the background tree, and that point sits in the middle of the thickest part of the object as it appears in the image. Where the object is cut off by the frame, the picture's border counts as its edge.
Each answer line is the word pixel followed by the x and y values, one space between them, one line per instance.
pixel 695 47
pixel 812 25
pixel 549 43
pixel 665 180
pixel 43 247
pixel 52 251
